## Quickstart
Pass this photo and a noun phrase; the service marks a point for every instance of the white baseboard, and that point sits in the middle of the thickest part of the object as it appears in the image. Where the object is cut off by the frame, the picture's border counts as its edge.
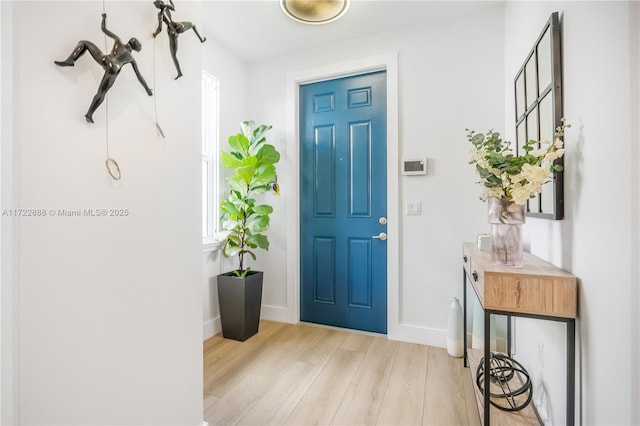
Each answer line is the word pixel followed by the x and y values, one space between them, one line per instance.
pixel 405 332
pixel 420 335
pixel 272 313
pixel 433 337
pixel 275 313
pixel 211 328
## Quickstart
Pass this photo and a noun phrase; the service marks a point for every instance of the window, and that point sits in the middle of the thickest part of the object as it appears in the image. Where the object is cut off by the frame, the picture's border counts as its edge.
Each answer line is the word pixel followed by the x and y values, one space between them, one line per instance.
pixel 210 215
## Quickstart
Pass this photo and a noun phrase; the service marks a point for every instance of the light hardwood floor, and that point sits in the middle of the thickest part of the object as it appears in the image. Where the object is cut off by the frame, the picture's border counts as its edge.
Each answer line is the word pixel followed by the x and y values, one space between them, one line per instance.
pixel 306 375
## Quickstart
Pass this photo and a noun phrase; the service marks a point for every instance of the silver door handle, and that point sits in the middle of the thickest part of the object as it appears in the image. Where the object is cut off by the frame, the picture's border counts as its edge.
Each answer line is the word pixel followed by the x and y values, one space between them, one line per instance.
pixel 382 236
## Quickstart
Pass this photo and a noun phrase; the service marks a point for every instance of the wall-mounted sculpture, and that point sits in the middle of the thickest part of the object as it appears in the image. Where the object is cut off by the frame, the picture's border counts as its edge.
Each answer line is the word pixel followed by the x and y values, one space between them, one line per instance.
pixel 174 29
pixel 112 63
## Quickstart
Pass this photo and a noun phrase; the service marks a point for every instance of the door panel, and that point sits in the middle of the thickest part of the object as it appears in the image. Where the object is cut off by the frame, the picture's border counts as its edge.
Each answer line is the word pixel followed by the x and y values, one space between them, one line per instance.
pixel 359 281
pixel 325 176
pixel 343 195
pixel 359 169
pixel 324 279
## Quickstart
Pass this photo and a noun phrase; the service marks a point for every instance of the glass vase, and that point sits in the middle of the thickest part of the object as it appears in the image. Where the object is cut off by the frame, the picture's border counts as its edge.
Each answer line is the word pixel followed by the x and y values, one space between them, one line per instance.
pixel 506 219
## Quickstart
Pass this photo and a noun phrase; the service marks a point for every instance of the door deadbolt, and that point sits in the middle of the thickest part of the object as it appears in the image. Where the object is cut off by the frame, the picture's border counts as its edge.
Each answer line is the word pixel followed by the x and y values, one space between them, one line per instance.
pixel 382 220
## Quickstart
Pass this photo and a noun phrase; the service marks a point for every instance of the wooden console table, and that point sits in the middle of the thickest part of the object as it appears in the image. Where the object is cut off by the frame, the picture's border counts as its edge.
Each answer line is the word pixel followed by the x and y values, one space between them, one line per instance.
pixel 537 290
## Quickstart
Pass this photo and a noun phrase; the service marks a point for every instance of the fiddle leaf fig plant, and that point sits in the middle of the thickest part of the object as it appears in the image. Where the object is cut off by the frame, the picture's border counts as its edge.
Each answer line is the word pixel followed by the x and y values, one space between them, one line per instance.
pixel 245 222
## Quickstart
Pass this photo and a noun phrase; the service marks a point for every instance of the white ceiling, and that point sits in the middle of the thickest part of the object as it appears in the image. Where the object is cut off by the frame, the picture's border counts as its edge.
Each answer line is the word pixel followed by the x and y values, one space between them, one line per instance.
pixel 258 29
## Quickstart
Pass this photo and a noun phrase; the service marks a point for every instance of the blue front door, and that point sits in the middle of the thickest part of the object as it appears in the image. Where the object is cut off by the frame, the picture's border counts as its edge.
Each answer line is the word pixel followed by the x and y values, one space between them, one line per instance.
pixel 343 202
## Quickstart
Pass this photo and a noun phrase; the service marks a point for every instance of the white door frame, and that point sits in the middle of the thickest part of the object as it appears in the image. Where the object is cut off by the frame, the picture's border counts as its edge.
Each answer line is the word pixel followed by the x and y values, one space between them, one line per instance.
pixel 389 63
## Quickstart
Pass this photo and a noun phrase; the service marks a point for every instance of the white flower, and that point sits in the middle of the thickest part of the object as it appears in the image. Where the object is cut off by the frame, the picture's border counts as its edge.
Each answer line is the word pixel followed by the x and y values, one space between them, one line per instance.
pixel 487 193
pixel 538 152
pixel 531 173
pixel 520 195
pixel 477 154
pixel 551 156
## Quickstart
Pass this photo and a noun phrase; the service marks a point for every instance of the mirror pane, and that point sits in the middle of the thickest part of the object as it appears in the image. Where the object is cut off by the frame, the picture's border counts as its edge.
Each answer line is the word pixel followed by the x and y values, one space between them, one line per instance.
pixel 534 204
pixel 522 137
pixel 520 101
pixel 530 76
pixel 544 61
pixel 546 118
pixel 547 197
pixel 532 125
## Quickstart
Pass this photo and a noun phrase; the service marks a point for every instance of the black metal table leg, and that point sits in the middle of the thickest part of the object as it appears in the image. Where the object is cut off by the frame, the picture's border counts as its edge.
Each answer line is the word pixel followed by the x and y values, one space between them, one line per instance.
pixel 571 371
pixel 487 361
pixel 464 317
pixel 509 335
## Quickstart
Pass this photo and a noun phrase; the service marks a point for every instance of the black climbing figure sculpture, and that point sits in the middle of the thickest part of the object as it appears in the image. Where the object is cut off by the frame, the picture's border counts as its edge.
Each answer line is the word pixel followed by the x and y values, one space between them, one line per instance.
pixel 174 29
pixel 112 63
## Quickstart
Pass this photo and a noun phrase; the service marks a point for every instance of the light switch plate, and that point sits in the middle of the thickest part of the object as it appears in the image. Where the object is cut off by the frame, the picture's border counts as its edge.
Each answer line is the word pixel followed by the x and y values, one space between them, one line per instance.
pixel 414 208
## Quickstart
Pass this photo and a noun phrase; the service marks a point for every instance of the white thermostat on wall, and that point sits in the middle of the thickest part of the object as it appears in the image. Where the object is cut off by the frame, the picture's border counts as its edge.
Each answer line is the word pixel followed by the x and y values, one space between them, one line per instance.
pixel 414 167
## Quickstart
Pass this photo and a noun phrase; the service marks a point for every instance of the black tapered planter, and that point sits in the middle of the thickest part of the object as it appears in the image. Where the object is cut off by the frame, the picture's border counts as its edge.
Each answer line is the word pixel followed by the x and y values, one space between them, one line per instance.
pixel 240 300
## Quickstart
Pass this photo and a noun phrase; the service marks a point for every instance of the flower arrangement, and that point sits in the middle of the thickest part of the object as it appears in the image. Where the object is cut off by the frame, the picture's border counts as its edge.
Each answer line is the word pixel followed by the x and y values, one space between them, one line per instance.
pixel 506 176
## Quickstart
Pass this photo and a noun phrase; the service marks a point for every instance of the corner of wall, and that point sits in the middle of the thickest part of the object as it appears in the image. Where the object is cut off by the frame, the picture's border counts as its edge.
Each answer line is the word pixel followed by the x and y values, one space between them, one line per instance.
pixel 634 51
pixel 9 390
pixel 211 327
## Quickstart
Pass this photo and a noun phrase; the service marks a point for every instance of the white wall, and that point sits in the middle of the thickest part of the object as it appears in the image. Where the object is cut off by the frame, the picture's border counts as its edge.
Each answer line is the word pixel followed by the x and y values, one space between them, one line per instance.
pixel 9 288
pixel 231 75
pixel 451 76
pixel 594 241
pixel 634 18
pixel 109 307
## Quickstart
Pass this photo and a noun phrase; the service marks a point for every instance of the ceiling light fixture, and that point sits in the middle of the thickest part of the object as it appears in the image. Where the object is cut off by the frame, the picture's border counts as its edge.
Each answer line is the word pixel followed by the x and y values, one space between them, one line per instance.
pixel 315 11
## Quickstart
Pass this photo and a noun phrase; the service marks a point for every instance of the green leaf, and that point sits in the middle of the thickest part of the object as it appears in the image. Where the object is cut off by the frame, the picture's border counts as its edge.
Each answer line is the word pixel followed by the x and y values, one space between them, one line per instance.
pixel 229 160
pixel 258 223
pixel 251 161
pixel 268 155
pixel 260 240
pixel 253 133
pixel 240 143
pixel 229 207
pixel 260 189
pixel 264 174
pixel 258 139
pixel 263 209
pixel 230 226
pixel 247 128
pixel 230 250
pixel 477 139
pixel 242 274
pixel 238 184
pixel 246 173
pixel 258 134
pixel 234 240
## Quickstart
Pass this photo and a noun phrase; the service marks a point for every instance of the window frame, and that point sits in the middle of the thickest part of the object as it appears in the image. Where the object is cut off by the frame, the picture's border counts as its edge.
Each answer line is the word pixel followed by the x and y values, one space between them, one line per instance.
pixel 210 157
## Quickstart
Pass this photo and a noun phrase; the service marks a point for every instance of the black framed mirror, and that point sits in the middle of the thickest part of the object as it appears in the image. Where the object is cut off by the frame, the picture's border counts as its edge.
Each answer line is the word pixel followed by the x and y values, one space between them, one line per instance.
pixel 538 107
